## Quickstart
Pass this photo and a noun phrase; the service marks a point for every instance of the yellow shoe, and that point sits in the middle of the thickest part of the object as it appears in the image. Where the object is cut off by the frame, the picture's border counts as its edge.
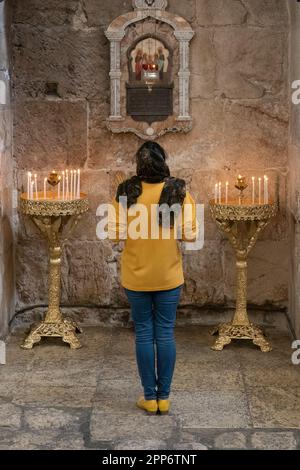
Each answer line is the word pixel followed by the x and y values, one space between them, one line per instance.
pixel 150 406
pixel 164 406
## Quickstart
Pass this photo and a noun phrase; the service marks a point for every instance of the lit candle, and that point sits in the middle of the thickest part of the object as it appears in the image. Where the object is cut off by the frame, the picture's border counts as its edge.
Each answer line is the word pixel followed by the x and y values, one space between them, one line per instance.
pixel 71 184
pixel 28 184
pixel 75 184
pixel 78 184
pixel 45 188
pixel 220 193
pixel 58 188
pixel 227 186
pixel 36 188
pixel 253 189
pixel 266 190
pixel 31 192
pixel 67 184
pixel 63 185
pixel 216 193
pixel 259 190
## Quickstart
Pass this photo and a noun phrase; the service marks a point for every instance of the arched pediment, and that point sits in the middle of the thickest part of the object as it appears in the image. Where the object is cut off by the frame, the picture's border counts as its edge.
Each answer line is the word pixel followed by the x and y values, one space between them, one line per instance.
pixel 118 26
pixel 138 119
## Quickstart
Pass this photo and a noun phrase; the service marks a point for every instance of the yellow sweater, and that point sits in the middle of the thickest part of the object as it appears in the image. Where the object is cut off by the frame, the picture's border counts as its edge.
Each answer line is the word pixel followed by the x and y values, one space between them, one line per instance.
pixel 151 263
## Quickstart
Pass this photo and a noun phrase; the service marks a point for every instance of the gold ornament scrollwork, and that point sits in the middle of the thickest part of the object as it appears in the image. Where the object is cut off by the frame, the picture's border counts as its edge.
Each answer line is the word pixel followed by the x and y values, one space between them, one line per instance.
pixel 242 224
pixel 52 217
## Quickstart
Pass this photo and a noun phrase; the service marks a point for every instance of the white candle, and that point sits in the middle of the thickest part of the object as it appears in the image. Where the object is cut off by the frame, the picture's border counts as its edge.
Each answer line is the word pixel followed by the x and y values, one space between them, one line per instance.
pixel 253 189
pixel 71 184
pixel 58 188
pixel 78 184
pixel 31 191
pixel 45 188
pixel 28 184
pixel 216 192
pixel 67 184
pixel 220 193
pixel 75 184
pixel 266 190
pixel 226 197
pixel 259 190
pixel 63 185
pixel 36 188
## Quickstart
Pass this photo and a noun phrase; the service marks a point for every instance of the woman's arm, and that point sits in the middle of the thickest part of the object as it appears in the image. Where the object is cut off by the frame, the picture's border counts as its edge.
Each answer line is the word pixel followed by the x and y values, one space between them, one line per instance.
pixel 117 222
pixel 189 225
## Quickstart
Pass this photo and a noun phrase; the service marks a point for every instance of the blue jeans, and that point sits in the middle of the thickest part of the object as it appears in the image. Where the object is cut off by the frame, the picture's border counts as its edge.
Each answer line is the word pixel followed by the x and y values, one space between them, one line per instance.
pixel 154 316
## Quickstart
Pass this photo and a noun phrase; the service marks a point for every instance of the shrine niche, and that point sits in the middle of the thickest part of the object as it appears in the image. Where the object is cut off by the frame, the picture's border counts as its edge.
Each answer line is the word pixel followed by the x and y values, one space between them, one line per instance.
pixel 149 71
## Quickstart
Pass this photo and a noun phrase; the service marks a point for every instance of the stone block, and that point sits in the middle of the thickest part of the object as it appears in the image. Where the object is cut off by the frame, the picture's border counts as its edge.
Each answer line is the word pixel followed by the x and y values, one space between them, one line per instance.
pixel 267 13
pixel 51 13
pixel 31 272
pixel 87 277
pixel 79 69
pixel 103 13
pixel 145 444
pixel 267 273
pixel 275 407
pixel 220 12
pixel 186 9
pixel 202 148
pixel 203 65
pixel 187 377
pixel 199 410
pixel 50 418
pixel 230 440
pixel 254 137
pixel 53 396
pixel 116 426
pixel 10 416
pixel 105 149
pixel 274 441
pixel 50 135
pixel 250 62
pixel 200 288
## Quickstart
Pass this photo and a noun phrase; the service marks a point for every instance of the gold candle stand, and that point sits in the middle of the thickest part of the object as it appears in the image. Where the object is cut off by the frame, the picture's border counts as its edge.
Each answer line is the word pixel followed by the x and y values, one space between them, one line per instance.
pixel 52 216
pixel 242 224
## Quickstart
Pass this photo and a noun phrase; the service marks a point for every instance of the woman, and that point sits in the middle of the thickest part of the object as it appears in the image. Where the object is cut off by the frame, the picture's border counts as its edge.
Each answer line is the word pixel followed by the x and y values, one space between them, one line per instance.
pixel 151 267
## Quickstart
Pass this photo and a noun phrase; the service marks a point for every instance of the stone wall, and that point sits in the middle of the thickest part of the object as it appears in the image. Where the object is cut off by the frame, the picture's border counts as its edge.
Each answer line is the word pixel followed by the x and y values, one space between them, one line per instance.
pixel 294 176
pixel 241 116
pixel 6 175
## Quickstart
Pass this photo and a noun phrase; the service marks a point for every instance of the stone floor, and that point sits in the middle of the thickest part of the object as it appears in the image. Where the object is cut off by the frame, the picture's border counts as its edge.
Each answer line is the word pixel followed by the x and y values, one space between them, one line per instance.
pixel 55 398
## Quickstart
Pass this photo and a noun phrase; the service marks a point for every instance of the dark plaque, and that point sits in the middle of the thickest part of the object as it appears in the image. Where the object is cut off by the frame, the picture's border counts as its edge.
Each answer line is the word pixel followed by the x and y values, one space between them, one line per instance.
pixel 149 105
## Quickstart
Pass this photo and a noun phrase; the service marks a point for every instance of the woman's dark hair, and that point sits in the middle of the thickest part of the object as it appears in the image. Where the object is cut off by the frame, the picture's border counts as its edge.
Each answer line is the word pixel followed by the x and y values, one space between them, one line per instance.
pixel 152 168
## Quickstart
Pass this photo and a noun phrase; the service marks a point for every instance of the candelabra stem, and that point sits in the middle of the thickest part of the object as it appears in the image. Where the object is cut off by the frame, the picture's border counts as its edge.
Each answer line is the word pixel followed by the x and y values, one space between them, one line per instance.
pixel 54 314
pixel 241 315
pixel 242 225
pixel 54 325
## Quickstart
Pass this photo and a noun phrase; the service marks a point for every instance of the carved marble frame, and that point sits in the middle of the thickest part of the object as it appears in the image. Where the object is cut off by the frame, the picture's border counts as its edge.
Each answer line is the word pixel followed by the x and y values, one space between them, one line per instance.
pixel 118 122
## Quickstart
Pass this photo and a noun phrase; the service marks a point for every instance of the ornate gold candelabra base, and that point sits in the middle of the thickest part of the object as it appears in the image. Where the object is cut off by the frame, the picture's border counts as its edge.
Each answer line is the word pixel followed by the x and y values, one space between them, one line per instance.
pixel 55 219
pixel 228 331
pixel 242 224
pixel 65 329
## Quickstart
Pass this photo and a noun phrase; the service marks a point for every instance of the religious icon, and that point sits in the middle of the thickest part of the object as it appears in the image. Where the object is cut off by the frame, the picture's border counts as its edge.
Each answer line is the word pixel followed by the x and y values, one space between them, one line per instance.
pixel 138 64
pixel 150 56
pixel 161 63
